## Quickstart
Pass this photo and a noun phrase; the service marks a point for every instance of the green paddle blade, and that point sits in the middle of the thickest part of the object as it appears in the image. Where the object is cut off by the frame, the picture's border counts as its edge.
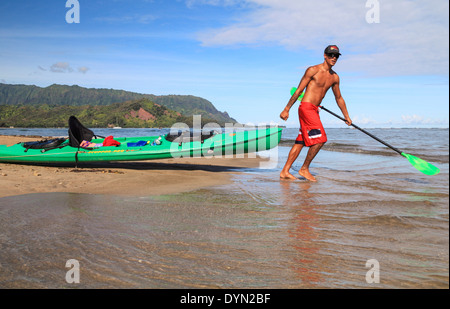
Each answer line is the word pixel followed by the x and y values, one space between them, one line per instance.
pixel 421 165
pixel 293 89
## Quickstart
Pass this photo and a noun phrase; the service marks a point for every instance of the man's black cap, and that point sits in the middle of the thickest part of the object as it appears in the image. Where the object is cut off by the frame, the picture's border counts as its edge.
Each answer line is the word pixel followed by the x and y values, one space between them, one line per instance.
pixel 332 49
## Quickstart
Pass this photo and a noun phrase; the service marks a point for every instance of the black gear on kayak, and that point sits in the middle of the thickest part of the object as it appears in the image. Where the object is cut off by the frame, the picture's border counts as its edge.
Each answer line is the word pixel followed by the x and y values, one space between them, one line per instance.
pixel 45 144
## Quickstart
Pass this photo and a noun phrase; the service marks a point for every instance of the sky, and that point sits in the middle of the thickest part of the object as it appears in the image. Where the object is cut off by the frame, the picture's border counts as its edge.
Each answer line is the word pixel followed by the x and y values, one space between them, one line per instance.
pixel 242 55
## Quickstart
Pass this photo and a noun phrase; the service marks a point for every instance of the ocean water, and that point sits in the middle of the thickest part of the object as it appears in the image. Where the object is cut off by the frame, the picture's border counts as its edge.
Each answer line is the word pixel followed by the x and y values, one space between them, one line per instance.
pixel 370 208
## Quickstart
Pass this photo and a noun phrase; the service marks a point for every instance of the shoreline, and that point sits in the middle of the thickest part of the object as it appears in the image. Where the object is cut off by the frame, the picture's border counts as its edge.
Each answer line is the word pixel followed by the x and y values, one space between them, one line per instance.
pixel 152 177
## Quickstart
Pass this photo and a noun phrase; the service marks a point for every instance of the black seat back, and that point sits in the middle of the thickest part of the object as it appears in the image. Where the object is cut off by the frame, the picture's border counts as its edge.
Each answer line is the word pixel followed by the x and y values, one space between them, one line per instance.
pixel 78 132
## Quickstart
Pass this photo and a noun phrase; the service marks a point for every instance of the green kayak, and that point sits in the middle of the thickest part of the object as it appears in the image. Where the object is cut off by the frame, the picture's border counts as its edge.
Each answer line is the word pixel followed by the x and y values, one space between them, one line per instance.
pixel 143 148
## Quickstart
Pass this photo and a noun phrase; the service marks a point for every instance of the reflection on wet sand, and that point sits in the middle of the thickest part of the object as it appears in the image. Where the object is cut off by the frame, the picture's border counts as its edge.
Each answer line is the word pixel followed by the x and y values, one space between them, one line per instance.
pixel 302 230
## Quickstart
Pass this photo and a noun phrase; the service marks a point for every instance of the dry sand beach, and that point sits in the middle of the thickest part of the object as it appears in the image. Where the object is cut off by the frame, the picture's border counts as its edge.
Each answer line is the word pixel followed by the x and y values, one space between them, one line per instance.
pixel 119 178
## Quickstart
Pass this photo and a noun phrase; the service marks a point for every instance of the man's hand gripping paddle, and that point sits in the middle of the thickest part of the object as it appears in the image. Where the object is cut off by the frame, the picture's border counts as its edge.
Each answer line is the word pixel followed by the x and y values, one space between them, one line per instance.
pixel 421 165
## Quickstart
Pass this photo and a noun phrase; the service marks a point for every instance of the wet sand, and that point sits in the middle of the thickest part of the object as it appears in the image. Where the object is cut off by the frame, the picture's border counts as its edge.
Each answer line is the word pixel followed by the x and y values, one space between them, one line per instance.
pixel 118 178
pixel 253 232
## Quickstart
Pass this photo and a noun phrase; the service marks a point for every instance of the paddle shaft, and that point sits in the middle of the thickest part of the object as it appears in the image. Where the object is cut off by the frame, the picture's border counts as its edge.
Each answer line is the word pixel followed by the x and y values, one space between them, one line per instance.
pixel 362 130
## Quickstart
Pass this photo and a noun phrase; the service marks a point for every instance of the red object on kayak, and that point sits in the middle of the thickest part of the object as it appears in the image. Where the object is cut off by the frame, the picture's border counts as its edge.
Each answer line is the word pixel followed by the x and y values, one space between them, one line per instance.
pixel 109 141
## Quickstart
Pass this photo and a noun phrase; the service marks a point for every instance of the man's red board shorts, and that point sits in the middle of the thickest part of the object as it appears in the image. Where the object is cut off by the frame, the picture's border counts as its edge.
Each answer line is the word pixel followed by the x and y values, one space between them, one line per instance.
pixel 311 128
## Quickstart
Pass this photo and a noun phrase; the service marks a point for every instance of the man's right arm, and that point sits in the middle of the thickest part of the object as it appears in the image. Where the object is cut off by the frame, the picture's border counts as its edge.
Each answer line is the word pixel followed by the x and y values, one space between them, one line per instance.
pixel 301 87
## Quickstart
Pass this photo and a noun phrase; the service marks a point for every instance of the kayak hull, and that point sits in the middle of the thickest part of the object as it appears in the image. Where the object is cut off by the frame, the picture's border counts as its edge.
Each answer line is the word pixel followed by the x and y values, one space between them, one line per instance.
pixel 218 145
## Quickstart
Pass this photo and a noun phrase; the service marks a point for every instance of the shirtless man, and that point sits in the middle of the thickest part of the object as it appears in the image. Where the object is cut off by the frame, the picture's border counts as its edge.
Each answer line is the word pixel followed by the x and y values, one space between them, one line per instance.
pixel 317 80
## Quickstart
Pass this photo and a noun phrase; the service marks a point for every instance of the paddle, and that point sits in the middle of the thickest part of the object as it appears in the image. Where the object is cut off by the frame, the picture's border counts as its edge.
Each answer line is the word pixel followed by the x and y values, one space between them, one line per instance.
pixel 421 165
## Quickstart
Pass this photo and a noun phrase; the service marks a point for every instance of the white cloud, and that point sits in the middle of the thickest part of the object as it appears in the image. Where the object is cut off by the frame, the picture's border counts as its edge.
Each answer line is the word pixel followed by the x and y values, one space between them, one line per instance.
pixel 416 120
pixel 411 119
pixel 363 120
pixel 411 38
pixel 125 19
pixel 83 69
pixel 191 3
pixel 63 67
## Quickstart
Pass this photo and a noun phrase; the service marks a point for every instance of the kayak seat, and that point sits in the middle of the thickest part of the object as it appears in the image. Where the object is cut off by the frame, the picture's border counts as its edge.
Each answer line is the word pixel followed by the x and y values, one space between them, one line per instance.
pixel 79 133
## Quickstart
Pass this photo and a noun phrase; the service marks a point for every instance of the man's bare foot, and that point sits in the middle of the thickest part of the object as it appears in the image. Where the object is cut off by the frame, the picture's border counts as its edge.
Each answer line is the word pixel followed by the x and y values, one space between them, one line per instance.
pixel 287 175
pixel 305 173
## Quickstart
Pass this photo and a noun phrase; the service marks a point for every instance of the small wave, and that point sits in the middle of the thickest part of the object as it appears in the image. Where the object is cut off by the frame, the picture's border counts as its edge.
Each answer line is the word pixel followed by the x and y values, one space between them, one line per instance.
pixel 338 147
pixel 438 158
pixel 351 148
pixel 387 220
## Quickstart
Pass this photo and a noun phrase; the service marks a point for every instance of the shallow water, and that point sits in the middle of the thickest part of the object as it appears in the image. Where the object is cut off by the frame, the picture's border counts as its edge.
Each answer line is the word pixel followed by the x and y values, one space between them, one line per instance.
pixel 258 232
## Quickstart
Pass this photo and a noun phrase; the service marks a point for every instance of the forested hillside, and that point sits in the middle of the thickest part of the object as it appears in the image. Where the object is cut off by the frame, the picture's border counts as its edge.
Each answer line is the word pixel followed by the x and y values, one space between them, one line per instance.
pixel 31 106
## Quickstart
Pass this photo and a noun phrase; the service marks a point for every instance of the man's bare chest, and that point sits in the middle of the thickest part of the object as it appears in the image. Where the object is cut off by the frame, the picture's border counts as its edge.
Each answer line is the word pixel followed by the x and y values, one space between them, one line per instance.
pixel 323 80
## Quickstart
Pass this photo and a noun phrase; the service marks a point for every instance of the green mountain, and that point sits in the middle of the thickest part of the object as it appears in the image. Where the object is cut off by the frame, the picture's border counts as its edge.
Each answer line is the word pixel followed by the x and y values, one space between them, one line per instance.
pixel 31 101
pixel 141 113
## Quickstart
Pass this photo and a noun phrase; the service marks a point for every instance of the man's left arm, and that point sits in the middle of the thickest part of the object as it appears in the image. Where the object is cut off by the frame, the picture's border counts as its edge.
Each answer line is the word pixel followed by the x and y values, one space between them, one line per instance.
pixel 340 102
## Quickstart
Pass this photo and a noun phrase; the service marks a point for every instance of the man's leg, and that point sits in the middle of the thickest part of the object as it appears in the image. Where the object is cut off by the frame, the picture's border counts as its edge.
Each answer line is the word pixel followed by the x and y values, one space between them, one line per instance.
pixel 312 152
pixel 293 155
